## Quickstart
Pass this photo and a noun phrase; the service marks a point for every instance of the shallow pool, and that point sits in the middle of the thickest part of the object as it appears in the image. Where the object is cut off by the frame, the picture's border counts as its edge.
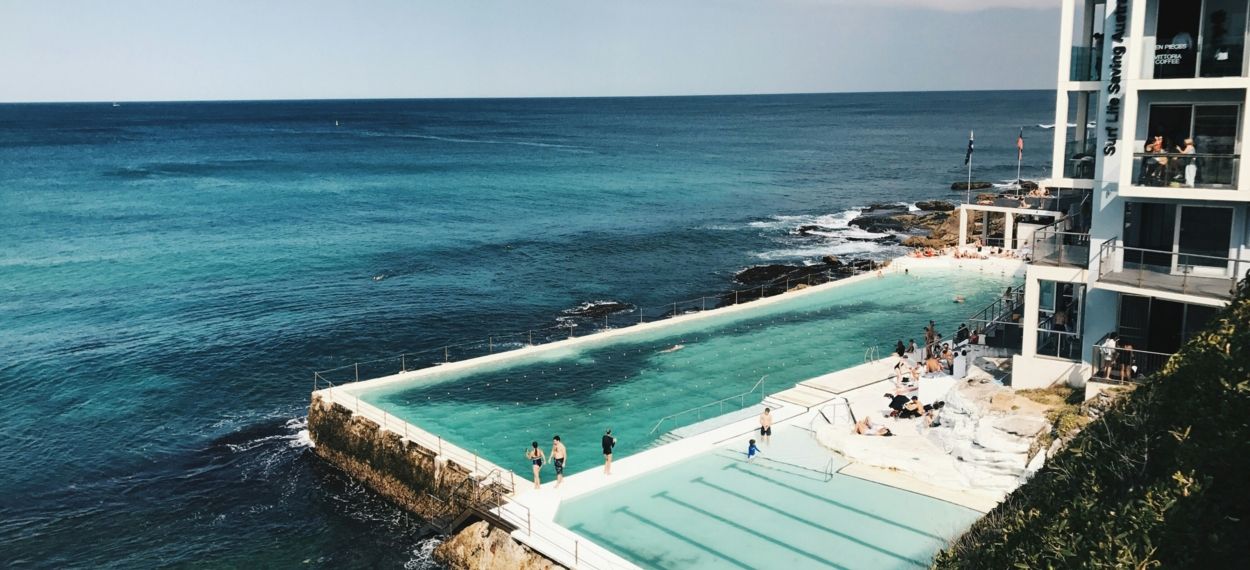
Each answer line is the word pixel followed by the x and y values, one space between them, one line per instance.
pixel 717 510
pixel 631 382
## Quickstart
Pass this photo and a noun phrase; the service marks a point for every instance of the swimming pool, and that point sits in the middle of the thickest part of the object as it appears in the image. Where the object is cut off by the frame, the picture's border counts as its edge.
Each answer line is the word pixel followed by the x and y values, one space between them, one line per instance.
pixel 717 510
pixel 629 382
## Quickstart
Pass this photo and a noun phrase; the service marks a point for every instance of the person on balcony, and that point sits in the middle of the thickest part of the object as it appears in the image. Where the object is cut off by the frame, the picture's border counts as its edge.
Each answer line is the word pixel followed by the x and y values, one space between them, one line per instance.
pixel 1154 169
pixel 1127 361
pixel 1190 163
pixel 1108 349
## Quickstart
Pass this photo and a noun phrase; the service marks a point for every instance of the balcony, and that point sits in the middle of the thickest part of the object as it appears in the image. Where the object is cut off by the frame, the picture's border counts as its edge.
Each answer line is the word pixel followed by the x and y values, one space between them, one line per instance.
pixel 1059 248
pixel 1086 64
pixel 1188 274
pixel 1079 156
pixel 1124 365
pixel 1175 170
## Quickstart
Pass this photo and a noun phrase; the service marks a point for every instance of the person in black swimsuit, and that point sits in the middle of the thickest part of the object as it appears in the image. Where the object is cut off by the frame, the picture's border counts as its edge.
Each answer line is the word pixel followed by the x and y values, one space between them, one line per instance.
pixel 535 456
pixel 608 443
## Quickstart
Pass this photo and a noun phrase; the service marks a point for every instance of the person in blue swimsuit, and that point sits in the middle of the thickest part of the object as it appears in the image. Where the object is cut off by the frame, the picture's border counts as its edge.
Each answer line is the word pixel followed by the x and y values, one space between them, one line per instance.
pixel 535 456
pixel 752 451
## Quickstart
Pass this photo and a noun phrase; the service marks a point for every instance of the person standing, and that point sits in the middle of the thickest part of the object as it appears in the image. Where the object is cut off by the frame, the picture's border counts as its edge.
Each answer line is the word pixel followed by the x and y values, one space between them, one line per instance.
pixel 535 457
pixel 609 442
pixel 766 425
pixel 1109 349
pixel 559 455
pixel 1190 162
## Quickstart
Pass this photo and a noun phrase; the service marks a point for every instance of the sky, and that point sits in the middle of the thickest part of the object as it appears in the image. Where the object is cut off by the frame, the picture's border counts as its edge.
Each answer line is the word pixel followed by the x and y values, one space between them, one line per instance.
pixel 132 50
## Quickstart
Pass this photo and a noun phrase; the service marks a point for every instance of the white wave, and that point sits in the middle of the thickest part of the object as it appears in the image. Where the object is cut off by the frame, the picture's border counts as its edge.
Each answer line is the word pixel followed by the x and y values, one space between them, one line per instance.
pixel 816 251
pixel 423 555
pixel 834 221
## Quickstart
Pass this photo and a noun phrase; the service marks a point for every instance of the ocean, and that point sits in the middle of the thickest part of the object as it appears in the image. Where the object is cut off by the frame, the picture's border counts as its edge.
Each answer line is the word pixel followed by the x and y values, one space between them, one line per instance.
pixel 171 274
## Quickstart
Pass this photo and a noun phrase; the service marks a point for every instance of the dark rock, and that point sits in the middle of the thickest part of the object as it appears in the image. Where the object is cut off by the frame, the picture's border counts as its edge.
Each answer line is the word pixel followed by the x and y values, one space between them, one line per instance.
pixel 878 207
pixel 1028 185
pixel 764 273
pixel 879 224
pixel 961 186
pixel 808 229
pixel 595 309
pixel 935 206
pixel 831 261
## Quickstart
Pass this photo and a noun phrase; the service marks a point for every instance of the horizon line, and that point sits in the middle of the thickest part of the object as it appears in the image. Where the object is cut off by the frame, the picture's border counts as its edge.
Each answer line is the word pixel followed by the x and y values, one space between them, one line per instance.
pixel 501 97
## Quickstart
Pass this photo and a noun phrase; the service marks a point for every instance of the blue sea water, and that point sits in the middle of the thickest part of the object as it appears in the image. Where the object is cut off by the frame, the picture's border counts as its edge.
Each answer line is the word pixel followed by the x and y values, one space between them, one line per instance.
pixel 172 273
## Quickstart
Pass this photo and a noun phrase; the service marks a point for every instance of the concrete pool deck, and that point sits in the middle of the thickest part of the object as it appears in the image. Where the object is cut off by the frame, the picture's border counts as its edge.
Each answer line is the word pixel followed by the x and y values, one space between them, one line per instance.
pixel 533 511
pixel 794 409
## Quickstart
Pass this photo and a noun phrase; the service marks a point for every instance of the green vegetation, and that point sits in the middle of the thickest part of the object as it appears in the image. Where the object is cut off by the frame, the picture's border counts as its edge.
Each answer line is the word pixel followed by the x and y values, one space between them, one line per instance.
pixel 1161 480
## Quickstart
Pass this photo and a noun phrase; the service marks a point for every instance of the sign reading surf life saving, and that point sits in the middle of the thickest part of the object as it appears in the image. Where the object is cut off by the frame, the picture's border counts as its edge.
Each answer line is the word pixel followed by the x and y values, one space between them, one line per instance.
pixel 1116 28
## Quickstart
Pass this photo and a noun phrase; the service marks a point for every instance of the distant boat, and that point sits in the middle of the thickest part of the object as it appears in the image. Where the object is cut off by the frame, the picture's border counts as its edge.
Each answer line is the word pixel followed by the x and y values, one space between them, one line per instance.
pixel 336 123
pixel 117 104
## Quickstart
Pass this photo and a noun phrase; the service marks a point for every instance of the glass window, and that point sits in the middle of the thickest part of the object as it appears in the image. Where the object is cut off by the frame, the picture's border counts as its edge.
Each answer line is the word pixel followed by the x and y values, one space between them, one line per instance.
pixel 1223 37
pixel 1176 38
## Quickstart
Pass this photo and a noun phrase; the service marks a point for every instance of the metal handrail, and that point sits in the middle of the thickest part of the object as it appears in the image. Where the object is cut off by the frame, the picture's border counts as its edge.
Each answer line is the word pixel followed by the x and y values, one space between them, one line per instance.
pixel 1108 264
pixel 740 397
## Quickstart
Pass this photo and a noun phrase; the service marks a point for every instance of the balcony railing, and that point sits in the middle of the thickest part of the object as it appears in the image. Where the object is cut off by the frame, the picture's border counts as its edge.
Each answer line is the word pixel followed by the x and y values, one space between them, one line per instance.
pixel 1079 157
pixel 1059 344
pixel 1123 365
pixel 1054 247
pixel 1176 272
pixel 1175 170
pixel 1086 63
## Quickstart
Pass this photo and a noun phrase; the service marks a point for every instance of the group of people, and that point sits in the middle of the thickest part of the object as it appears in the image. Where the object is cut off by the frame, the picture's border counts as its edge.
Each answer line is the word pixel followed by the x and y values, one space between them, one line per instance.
pixel 1119 357
pixel 560 455
pixel 1164 170
pixel 938 357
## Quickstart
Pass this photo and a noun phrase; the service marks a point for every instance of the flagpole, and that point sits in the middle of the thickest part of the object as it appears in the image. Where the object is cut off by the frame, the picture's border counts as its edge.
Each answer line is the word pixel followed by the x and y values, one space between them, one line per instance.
pixel 968 188
pixel 1019 160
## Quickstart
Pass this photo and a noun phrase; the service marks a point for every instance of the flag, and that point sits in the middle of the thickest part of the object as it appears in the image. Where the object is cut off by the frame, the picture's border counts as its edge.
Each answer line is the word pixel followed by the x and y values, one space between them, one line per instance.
pixel 1020 145
pixel 968 157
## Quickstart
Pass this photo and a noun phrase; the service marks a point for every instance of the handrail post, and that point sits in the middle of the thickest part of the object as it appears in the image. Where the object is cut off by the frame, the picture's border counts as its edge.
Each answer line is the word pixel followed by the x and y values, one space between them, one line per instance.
pixel 674 309
pixel 577 557
pixel 446 354
pixel 735 296
pixel 403 362
pixel 490 344
pixel 531 337
pixel 761 291
pixel 356 365
pixel 704 299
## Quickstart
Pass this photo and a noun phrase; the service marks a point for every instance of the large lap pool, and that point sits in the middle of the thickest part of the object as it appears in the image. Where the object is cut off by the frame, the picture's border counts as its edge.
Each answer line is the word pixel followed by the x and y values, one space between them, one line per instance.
pixel 629 382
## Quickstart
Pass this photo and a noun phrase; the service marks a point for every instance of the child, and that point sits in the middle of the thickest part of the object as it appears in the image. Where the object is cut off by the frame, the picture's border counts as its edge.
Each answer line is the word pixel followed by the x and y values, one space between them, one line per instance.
pixel 752 451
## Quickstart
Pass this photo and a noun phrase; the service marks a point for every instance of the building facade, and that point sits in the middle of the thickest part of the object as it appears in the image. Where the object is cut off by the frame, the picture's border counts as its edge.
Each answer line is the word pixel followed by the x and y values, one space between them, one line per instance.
pixel 1156 230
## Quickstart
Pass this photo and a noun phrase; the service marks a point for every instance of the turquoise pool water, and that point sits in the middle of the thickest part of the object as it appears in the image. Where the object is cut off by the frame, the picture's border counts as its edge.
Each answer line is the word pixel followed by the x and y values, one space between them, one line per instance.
pixel 629 383
pixel 718 511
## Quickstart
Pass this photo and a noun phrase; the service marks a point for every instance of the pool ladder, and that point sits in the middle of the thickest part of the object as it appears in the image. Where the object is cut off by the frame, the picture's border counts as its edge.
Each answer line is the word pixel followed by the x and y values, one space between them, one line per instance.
pixel 872 354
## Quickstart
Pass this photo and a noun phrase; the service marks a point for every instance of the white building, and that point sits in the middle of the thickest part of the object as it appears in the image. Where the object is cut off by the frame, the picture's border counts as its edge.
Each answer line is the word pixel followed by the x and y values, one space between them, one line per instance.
pixel 1149 240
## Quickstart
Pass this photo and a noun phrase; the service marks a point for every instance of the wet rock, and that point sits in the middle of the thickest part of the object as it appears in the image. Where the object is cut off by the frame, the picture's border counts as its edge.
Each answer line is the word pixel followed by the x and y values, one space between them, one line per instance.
pixel 483 547
pixel 596 309
pixel 935 206
pixel 831 261
pixel 807 230
pixel 764 273
pixel 976 185
pixel 882 224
